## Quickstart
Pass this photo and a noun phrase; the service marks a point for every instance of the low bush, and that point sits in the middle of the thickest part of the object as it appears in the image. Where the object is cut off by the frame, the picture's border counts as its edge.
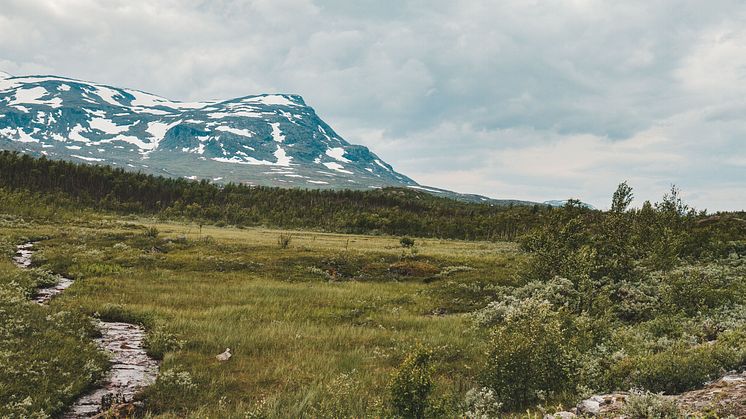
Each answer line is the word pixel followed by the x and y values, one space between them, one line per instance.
pixel 679 368
pixel 529 358
pixel 642 404
pixel 406 242
pixel 283 241
pixel 158 341
pixel 412 384
pixel 413 268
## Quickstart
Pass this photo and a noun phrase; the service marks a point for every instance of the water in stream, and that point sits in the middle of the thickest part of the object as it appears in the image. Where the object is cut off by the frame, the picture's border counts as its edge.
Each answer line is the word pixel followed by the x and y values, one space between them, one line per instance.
pixel 131 367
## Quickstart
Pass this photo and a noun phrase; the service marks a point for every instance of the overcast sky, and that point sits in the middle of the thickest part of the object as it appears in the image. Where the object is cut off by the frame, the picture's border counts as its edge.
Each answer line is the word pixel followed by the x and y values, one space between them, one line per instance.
pixel 511 99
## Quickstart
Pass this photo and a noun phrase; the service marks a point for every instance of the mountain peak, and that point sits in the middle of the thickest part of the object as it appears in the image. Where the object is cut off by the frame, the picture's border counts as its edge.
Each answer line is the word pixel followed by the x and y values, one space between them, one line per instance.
pixel 266 139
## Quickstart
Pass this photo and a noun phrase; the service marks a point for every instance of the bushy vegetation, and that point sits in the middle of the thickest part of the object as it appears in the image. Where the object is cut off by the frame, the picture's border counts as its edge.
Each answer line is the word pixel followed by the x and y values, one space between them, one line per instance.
pixel 412 384
pixel 649 298
pixel 331 325
pixel 529 355
pixel 646 405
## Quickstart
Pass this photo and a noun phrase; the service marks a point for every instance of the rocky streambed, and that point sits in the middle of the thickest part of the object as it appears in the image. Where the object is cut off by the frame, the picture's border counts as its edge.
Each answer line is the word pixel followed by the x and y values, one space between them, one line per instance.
pixel 131 367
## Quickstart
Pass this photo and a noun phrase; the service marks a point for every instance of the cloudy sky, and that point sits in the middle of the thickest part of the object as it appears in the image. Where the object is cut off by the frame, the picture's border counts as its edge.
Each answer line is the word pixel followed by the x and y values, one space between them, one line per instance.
pixel 511 99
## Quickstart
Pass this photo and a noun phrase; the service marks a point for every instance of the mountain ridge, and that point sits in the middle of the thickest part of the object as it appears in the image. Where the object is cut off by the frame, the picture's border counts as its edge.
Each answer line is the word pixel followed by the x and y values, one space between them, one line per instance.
pixel 274 139
pixel 78 120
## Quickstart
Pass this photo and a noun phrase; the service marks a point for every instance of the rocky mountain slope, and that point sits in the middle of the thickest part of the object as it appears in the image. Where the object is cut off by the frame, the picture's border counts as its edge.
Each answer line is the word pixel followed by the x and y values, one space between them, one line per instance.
pixel 270 139
pixel 267 139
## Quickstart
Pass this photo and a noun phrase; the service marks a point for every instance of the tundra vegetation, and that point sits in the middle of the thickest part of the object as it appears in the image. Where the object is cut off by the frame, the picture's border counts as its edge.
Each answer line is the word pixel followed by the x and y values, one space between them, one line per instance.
pixel 352 325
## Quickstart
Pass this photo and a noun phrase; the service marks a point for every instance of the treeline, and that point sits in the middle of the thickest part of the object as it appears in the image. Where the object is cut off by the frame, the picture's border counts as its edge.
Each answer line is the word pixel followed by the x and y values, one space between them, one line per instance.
pixel 394 211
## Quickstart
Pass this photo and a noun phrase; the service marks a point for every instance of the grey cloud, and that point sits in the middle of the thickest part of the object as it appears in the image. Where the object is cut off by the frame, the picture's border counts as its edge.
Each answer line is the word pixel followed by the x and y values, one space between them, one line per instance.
pixel 449 92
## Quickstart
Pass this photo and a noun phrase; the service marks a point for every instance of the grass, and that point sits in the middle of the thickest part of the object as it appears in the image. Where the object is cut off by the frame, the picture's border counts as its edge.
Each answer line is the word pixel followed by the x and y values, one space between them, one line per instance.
pixel 316 329
pixel 46 354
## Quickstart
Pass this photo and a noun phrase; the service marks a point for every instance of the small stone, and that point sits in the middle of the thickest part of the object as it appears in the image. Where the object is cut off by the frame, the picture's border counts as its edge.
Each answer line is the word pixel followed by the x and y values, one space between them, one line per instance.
pixel 225 355
pixel 589 407
pixel 560 415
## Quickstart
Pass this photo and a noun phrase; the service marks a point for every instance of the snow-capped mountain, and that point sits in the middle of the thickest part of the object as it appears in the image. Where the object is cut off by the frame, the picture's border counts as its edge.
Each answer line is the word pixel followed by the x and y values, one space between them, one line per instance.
pixel 563 202
pixel 271 139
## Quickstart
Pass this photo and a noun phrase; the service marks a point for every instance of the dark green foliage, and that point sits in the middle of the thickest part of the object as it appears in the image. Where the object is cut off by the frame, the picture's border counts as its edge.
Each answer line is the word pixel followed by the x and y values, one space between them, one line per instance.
pixel 406 242
pixel 151 232
pixel 283 241
pixel 677 369
pixel 411 385
pixel 649 298
pixel 529 356
pixel 622 198
pixel 606 255
pixel 59 185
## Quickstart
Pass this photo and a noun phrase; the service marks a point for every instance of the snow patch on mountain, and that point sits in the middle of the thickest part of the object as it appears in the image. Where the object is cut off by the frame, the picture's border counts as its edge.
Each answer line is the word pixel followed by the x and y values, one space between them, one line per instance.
pixel 107 126
pixel 228 140
pixel 33 96
pixel 270 100
pixel 277 133
pixel 337 153
pixel 236 131
pixel 337 167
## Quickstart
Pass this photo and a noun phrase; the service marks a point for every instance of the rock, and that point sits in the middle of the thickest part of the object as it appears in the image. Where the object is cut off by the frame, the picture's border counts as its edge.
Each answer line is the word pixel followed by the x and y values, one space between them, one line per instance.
pixel 725 396
pixel 225 355
pixel 590 406
pixel 560 415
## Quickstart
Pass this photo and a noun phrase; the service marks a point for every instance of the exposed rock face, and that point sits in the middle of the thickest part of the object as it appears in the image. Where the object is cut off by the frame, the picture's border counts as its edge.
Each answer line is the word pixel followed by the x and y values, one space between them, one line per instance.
pixel 270 139
pixel 725 396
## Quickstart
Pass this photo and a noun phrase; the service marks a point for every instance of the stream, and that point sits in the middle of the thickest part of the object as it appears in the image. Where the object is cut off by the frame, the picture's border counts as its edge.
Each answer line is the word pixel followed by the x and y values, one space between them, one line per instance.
pixel 131 367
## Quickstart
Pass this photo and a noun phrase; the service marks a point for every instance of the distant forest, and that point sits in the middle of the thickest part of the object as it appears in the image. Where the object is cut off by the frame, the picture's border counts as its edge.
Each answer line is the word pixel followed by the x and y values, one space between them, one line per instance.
pixel 396 211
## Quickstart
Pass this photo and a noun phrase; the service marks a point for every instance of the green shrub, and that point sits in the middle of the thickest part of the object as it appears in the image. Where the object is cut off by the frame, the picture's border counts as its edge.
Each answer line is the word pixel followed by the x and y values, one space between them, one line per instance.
pixel 679 368
pixel 645 405
pixel 411 385
pixel 158 341
pixel 406 242
pixel 151 233
pixel 342 265
pixel 44 278
pixel 528 357
pixel 692 289
pixel 413 268
pixel 173 387
pixel 481 403
pixel 283 241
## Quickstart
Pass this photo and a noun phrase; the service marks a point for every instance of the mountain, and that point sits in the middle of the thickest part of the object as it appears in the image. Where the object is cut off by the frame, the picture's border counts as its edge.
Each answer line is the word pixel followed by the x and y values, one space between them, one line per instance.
pixel 270 139
pixel 563 202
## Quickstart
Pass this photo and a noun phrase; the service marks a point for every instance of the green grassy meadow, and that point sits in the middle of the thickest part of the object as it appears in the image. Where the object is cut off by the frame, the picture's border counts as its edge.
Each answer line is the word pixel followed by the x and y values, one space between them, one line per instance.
pixel 316 328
